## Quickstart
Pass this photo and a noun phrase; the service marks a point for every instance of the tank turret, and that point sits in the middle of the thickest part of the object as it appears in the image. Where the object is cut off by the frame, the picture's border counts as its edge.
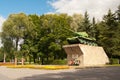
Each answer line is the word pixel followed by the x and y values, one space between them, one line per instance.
pixel 82 38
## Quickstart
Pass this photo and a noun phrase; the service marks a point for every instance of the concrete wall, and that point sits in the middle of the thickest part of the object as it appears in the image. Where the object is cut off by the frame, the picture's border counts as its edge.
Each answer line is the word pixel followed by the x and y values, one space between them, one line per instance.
pixel 73 52
pixel 93 55
pixel 87 55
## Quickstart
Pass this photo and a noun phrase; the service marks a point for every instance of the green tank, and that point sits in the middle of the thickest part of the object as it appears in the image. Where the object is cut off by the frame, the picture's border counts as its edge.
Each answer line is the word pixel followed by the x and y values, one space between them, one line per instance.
pixel 81 38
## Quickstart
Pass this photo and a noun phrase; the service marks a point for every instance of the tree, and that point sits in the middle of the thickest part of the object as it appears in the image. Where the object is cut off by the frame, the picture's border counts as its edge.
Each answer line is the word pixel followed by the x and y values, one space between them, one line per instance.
pixel 86 25
pixel 77 20
pixel 7 46
pixel 109 33
pixel 24 52
pixel 52 35
pixel 31 40
pixel 118 14
pixel 93 32
pixel 16 27
pixel 3 55
pixel 109 20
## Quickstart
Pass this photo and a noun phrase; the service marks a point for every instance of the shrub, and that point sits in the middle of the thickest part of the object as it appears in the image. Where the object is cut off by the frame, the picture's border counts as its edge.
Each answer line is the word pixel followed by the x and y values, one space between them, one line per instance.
pixel 114 61
pixel 59 62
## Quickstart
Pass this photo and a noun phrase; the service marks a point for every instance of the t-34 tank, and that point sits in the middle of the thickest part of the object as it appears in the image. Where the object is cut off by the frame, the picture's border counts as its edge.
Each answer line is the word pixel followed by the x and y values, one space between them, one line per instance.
pixel 82 38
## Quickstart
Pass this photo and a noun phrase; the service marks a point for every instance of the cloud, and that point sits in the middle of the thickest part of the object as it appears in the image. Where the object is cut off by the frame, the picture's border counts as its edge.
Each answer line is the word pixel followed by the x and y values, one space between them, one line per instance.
pixel 95 8
pixel 1 22
pixel 50 13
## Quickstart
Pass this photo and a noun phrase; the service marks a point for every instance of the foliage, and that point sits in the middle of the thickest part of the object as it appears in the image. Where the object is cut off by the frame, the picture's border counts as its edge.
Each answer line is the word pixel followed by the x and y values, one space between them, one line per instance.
pixel 77 20
pixel 59 62
pixel 114 61
pixel 109 34
pixel 1 57
pixel 15 28
pixel 86 25
pixel 47 38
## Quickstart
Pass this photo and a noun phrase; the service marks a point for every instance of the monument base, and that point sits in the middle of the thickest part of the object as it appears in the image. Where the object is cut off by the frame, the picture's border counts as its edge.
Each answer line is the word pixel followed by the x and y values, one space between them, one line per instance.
pixel 85 55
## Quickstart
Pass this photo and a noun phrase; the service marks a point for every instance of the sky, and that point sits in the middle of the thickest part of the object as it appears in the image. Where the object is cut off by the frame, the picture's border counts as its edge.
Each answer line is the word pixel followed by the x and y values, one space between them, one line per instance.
pixel 95 8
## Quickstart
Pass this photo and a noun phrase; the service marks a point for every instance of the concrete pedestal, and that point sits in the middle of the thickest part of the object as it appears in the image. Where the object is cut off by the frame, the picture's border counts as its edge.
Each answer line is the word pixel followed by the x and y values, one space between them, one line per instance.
pixel 85 55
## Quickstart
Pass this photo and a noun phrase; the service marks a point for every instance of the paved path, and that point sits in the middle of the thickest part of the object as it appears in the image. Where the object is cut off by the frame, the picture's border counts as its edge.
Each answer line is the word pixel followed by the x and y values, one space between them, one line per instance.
pixel 15 74
pixel 2 77
pixel 109 73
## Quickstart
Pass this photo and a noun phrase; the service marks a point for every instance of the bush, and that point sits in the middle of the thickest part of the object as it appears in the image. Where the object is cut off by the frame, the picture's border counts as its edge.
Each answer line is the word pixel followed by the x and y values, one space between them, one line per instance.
pixel 59 62
pixel 114 61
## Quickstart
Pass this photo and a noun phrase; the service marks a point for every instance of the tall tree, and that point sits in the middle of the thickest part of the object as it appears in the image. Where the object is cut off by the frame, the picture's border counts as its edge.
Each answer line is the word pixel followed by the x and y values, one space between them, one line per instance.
pixel 31 40
pixel 109 20
pixel 7 46
pixel 108 37
pixel 86 25
pixel 93 31
pixel 77 20
pixel 53 35
pixel 118 14
pixel 15 28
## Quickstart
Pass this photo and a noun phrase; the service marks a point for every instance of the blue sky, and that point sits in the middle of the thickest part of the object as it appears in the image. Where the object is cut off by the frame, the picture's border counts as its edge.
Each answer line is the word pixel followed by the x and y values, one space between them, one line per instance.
pixel 27 6
pixel 95 8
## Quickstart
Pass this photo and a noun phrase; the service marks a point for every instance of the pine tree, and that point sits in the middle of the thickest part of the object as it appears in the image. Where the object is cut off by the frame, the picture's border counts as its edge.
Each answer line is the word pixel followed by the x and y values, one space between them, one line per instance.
pixel 86 25
pixel 109 34
pixel 118 14
pixel 93 32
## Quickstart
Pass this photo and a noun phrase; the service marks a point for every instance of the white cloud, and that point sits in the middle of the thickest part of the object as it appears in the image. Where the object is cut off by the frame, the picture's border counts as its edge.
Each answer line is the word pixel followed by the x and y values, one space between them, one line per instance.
pixel 1 22
pixel 95 8
pixel 50 13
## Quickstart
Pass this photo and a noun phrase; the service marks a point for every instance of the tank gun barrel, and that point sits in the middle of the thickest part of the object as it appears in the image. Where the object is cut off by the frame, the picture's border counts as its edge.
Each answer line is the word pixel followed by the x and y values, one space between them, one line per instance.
pixel 77 33
pixel 81 37
pixel 69 30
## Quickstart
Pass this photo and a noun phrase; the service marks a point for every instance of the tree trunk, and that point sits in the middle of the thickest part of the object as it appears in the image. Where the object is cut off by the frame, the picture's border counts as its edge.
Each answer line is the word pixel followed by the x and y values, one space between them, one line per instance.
pixel 22 61
pixel 4 61
pixel 42 61
pixel 34 60
pixel 15 60
pixel 29 59
pixel 47 58
pixel 38 60
pixel 54 57
pixel 16 46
